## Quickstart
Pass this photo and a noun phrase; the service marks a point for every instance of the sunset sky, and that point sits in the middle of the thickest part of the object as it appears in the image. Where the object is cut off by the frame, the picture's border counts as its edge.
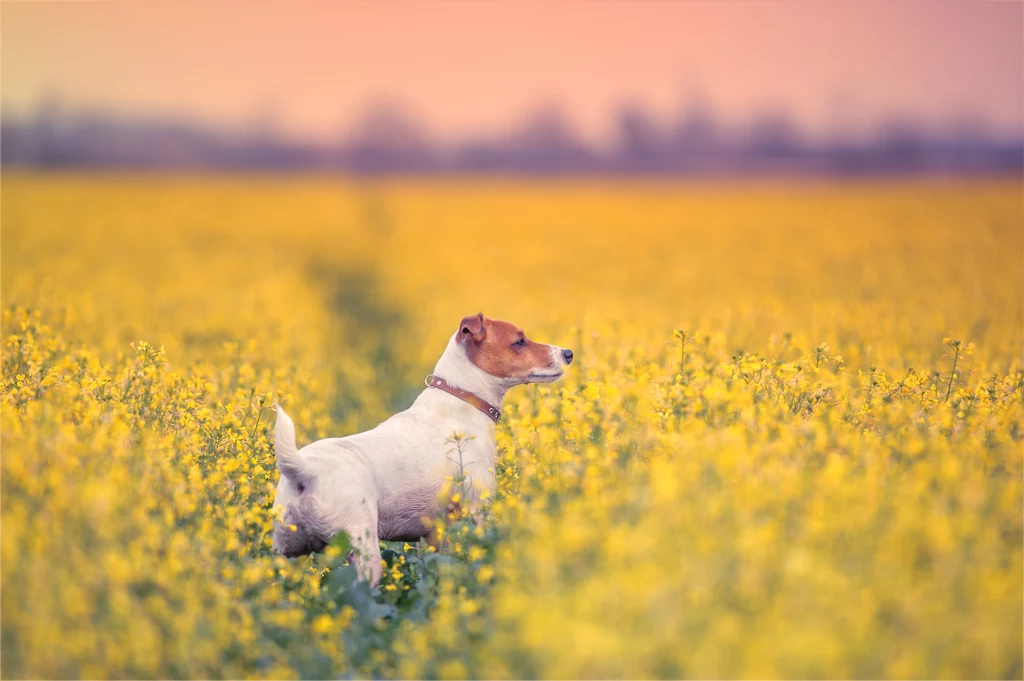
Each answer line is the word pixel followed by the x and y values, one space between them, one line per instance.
pixel 474 68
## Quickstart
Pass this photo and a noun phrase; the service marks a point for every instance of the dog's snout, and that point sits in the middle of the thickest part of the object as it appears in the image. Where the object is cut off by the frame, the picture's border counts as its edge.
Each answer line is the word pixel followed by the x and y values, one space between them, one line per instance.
pixel 567 354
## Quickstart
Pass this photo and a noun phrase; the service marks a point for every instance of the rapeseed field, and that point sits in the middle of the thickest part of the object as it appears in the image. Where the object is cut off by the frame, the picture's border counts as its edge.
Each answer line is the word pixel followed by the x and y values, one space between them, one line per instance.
pixel 790 445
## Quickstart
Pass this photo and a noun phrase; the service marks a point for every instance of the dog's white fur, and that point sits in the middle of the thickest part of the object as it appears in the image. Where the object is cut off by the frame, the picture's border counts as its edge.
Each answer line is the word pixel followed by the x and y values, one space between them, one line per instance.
pixel 381 483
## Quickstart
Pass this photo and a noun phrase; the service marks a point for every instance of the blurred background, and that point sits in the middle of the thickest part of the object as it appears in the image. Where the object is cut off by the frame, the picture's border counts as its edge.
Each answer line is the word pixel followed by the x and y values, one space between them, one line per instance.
pixel 694 88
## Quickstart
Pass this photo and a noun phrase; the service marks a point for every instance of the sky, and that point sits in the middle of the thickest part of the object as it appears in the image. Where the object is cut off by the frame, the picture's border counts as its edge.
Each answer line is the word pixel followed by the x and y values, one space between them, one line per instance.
pixel 474 68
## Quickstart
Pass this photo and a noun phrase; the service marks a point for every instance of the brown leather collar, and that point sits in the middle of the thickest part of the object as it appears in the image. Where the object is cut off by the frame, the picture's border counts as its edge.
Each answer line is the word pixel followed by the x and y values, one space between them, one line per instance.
pixel 490 410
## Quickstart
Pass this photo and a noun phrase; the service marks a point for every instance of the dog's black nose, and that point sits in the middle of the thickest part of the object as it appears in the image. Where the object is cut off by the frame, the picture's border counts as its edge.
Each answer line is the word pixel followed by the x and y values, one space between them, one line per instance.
pixel 568 356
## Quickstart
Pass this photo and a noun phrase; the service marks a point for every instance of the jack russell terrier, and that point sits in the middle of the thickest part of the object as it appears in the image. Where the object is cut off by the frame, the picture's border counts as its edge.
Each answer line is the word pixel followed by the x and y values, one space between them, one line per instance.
pixel 381 484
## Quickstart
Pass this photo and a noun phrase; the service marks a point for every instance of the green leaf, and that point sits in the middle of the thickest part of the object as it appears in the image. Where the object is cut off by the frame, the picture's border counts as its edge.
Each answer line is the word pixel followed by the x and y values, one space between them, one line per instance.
pixel 341 541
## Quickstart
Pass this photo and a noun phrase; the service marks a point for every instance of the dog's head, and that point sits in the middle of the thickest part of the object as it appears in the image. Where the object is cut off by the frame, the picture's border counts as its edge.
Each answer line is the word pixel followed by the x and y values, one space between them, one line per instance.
pixel 502 349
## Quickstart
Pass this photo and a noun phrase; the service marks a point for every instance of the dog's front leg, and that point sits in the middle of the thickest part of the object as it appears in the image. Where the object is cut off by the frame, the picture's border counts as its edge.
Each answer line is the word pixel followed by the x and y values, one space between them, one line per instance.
pixel 435 536
pixel 434 539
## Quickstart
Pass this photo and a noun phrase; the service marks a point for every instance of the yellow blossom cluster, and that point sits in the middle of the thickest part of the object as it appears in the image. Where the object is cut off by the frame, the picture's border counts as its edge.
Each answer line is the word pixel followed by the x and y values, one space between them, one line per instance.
pixel 790 444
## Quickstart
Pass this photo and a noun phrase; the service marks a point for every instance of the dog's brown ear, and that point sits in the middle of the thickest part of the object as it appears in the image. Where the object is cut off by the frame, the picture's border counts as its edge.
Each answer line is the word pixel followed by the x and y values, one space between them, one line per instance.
pixel 472 327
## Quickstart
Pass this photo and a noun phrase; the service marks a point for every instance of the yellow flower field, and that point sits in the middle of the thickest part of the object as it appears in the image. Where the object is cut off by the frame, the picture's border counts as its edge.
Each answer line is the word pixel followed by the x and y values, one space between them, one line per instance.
pixel 790 445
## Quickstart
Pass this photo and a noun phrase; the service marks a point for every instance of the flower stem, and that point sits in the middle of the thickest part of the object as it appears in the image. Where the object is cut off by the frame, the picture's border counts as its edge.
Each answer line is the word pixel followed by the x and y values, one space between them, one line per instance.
pixel 952 374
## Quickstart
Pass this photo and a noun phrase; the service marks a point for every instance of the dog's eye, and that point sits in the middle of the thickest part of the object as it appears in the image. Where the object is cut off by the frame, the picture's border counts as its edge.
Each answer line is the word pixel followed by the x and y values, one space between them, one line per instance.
pixel 520 343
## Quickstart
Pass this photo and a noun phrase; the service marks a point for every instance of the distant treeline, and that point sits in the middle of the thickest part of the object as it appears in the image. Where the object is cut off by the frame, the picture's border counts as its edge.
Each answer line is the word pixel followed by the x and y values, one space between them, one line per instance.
pixel 388 141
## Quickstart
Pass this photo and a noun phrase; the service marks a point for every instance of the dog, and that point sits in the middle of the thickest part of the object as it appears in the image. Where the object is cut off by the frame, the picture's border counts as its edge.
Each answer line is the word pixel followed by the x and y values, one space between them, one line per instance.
pixel 381 484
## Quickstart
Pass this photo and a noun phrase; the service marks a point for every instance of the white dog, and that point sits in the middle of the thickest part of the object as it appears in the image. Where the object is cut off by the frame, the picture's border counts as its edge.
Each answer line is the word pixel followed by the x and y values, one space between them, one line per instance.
pixel 382 483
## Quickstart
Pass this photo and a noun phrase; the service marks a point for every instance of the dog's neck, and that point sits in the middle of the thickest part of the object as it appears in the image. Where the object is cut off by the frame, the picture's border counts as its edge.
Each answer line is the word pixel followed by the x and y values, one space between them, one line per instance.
pixel 455 368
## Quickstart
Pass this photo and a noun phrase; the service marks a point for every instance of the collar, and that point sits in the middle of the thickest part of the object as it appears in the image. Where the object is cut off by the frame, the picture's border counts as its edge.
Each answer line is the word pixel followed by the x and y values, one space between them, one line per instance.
pixel 490 410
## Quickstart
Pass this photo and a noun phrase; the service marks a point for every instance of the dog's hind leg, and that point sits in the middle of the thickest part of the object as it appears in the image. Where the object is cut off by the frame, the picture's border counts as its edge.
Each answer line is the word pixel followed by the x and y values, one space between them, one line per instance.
pixel 361 526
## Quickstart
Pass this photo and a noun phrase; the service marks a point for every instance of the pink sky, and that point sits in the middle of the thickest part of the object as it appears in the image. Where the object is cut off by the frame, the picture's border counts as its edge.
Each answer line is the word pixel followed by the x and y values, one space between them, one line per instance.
pixel 465 68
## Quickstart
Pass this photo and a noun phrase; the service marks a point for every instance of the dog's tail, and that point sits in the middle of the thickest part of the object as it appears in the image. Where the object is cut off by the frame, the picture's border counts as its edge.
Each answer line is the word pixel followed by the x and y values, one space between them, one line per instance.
pixel 289 461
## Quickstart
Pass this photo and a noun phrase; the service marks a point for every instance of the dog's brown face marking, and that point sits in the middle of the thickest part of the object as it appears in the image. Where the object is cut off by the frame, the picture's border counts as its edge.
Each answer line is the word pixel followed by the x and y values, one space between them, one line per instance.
pixel 502 349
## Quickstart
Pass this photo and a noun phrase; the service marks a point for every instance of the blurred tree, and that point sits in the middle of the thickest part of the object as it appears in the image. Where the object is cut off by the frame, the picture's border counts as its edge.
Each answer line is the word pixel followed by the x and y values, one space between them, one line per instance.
pixel 640 144
pixel 772 134
pixel 547 142
pixel 387 138
pixel 696 138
